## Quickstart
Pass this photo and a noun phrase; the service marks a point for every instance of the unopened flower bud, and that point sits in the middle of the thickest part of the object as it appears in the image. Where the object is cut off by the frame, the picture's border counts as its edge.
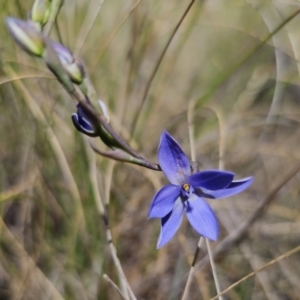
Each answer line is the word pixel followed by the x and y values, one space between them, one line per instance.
pixel 70 63
pixel 40 11
pixel 26 36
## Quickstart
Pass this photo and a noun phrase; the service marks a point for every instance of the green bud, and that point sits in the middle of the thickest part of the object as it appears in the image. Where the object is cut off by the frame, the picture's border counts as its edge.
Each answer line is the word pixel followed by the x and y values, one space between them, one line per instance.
pixel 40 11
pixel 26 36
pixel 70 63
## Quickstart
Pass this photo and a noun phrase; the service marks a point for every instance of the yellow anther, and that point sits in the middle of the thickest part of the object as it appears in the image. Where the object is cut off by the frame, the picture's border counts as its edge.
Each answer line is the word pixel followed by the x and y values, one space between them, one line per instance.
pixel 186 187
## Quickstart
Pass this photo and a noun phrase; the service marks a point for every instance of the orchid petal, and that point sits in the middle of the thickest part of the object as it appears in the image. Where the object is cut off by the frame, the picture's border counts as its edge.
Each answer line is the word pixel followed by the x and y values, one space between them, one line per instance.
pixel 64 54
pixel 170 224
pixel 233 188
pixel 163 201
pixel 172 160
pixel 211 179
pixel 202 217
pixel 82 127
pixel 84 122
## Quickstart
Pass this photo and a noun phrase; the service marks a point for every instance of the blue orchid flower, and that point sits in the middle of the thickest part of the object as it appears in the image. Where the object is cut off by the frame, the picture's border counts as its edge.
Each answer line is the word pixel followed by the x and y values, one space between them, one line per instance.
pixel 186 193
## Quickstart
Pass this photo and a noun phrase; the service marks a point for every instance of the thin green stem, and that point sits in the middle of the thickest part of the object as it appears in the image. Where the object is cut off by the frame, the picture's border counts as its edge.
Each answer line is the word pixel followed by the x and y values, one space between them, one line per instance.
pixel 112 35
pixel 213 268
pixel 192 270
pixel 58 32
pixel 89 22
pixel 55 8
pixel 190 117
pixel 156 67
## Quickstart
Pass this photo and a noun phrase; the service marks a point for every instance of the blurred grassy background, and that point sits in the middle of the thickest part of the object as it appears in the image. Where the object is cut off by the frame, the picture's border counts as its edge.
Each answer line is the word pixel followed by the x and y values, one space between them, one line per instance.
pixel 53 243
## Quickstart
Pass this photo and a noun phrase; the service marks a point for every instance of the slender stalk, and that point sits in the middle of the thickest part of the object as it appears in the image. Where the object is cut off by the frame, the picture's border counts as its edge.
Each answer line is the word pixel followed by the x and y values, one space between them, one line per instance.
pixel 156 67
pixel 272 18
pixel 106 277
pixel 55 8
pixel 91 16
pixel 59 37
pixel 112 35
pixel 192 270
pixel 190 117
pixel 213 268
pixel 222 145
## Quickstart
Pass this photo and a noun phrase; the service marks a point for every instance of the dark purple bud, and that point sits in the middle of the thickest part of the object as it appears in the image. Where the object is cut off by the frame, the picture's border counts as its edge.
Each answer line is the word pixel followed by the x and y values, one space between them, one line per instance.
pixel 82 124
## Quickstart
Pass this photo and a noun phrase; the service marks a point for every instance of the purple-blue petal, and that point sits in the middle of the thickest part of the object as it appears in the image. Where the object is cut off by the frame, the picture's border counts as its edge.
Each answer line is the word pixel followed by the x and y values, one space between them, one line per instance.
pixel 211 179
pixel 64 54
pixel 170 224
pixel 202 217
pixel 172 160
pixel 163 201
pixel 84 122
pixel 233 188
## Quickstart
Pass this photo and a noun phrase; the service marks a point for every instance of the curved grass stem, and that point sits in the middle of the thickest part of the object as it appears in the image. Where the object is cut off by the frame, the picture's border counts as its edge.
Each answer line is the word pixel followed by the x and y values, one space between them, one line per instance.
pixel 156 67
pixel 112 35
pixel 190 117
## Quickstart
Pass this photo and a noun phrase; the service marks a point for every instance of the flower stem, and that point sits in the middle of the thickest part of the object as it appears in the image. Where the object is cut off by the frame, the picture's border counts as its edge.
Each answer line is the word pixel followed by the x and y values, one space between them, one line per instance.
pixel 213 268
pixel 222 145
pixel 192 270
pixel 55 8
pixel 156 67
pixel 190 117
